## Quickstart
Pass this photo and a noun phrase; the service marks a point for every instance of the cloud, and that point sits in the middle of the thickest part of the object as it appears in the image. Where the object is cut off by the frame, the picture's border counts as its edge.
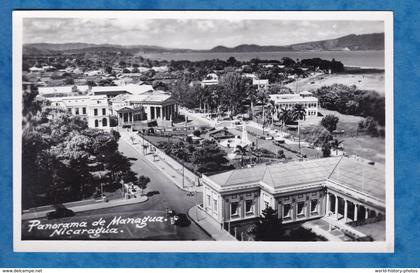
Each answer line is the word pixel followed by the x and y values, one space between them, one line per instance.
pixel 189 33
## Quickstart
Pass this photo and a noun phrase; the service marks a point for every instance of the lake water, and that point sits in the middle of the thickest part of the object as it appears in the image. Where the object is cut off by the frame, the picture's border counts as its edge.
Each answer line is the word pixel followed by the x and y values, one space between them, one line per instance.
pixel 373 59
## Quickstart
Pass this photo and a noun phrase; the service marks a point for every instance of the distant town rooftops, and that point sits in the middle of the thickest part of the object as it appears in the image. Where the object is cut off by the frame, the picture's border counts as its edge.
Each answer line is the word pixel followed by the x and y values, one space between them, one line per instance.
pixel 351 173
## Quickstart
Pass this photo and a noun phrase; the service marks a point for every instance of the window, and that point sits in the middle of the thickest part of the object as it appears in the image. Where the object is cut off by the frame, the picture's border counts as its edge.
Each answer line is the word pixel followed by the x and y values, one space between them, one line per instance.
pixel 286 198
pixel 314 206
pixel 234 209
pixel 287 211
pixel 104 122
pixel 95 112
pixel 84 110
pixel 96 123
pixel 249 207
pixel 208 200
pixel 103 111
pixel 77 111
pixel 314 193
pixel 300 208
pixel 248 194
pixel 214 205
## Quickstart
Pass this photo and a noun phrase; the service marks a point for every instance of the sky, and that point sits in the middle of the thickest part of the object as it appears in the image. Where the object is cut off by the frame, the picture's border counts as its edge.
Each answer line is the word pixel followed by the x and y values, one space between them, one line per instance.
pixel 189 33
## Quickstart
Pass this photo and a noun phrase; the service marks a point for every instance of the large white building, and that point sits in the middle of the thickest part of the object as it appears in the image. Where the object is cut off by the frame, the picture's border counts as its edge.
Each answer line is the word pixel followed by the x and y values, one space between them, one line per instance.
pixel 92 108
pixel 288 101
pixel 346 189
pixel 136 111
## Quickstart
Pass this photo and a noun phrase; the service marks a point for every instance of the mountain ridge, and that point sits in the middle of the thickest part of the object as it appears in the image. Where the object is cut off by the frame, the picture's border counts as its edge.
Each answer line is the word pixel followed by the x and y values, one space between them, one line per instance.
pixel 351 42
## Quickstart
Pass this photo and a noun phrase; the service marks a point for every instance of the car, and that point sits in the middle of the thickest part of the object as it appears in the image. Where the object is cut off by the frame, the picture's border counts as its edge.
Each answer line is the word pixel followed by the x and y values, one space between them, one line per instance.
pixel 60 212
pixel 181 219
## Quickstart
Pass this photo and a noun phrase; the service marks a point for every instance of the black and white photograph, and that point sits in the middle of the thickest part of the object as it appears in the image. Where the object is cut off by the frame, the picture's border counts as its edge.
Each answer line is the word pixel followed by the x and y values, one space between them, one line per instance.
pixel 228 131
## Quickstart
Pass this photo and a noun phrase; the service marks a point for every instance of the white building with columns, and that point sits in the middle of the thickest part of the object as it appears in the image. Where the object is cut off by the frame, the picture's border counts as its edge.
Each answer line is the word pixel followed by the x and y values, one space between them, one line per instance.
pixel 136 111
pixel 345 189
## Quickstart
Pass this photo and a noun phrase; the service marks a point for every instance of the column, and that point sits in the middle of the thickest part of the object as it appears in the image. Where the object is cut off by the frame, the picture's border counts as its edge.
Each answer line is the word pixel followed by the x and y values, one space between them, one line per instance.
pixel 336 207
pixel 327 204
pixel 355 211
pixel 345 210
pixel 366 213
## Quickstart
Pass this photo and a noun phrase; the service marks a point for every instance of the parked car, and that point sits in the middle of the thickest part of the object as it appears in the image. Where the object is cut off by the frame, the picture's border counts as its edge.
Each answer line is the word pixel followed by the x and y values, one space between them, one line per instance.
pixel 182 220
pixel 60 212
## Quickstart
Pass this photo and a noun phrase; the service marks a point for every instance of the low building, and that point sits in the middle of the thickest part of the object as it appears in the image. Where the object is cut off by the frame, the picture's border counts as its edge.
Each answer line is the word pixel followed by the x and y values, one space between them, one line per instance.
pixel 113 91
pixel 94 109
pixel 348 189
pixel 211 79
pixel 288 101
pixel 67 90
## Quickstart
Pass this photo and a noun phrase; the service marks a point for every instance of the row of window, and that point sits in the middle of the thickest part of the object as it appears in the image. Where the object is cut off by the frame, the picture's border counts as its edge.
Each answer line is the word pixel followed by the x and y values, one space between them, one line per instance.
pixel 209 204
pixel 287 208
pixel 289 105
pixel 95 111
pixel 82 111
pixel 104 122
pixel 235 208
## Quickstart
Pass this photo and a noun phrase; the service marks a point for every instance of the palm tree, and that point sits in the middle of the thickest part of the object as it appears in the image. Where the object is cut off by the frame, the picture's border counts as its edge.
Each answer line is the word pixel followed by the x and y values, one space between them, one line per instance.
pixel 284 116
pixel 242 151
pixel 252 97
pixel 263 98
pixel 298 113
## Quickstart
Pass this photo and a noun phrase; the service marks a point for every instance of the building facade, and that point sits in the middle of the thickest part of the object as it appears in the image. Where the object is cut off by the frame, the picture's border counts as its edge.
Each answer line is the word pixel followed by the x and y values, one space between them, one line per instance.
pixel 344 188
pixel 288 101
pixel 94 109
pixel 137 111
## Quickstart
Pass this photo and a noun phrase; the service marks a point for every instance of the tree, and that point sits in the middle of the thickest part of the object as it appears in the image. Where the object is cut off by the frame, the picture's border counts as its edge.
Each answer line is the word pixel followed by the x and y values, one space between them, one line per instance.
pixel 142 182
pixel 326 150
pixel 197 133
pixel 268 227
pixel 280 154
pixel 329 122
pixel 242 151
pixel 298 113
pixel 284 116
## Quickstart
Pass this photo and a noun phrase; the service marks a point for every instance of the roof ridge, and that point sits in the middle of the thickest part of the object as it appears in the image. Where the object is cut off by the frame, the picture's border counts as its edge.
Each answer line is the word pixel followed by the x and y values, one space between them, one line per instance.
pixel 227 180
pixel 271 176
pixel 335 167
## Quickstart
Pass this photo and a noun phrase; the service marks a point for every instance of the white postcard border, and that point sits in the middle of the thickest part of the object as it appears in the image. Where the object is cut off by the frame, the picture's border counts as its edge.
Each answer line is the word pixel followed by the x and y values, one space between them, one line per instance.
pixel 20 245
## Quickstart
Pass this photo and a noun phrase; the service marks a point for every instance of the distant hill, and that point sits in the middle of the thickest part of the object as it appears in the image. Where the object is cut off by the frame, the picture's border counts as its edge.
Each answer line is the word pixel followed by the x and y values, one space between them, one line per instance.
pixel 44 48
pixel 374 41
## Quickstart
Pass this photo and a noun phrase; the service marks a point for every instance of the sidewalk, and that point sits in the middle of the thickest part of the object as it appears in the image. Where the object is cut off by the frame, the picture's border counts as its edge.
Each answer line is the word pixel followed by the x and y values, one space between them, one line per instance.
pixel 161 161
pixel 209 225
pixel 92 206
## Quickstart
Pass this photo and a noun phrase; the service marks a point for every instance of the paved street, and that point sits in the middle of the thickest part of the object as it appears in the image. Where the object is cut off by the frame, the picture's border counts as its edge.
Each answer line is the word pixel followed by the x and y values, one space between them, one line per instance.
pixel 170 196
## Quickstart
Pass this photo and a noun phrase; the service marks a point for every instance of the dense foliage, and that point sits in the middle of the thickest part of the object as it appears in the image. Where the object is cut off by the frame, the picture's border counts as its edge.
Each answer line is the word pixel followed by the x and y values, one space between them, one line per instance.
pixel 352 101
pixel 62 159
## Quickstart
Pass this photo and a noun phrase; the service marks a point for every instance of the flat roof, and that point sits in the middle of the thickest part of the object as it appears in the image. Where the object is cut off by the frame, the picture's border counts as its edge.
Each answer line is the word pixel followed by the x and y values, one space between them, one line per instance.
pixel 349 172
